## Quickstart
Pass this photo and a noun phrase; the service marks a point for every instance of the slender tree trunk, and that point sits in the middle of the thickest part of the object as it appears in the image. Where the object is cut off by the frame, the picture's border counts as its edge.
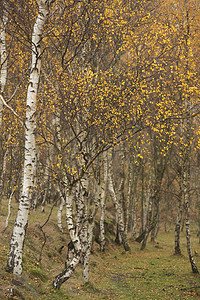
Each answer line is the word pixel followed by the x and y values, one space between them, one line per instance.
pixel 3 174
pixel 66 273
pixel 134 229
pixel 135 201
pixel 155 217
pixel 3 78
pixel 148 226
pixel 197 190
pixel 89 238
pixel 158 226
pixel 120 194
pixel 73 232
pixel 3 62
pixel 129 198
pixel 59 214
pixel 102 203
pixel 186 191
pixel 9 204
pixel 178 225
pixel 82 209
pixel 187 224
pixel 142 201
pixel 17 241
pixel 187 148
pixel 147 212
pixel 117 204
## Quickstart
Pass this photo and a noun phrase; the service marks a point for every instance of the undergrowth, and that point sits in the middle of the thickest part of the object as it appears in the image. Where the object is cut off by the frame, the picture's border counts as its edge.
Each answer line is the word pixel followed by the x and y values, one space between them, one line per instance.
pixel 154 273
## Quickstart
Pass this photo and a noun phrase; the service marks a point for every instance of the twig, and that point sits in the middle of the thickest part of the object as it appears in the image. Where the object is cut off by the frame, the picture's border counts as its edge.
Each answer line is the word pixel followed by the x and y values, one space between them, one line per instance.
pixel 12 110
pixel 41 228
pixel 9 203
pixel 191 287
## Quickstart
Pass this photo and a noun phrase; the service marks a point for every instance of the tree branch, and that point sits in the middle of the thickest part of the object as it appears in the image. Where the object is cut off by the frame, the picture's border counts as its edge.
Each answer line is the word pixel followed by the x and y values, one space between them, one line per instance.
pixel 12 110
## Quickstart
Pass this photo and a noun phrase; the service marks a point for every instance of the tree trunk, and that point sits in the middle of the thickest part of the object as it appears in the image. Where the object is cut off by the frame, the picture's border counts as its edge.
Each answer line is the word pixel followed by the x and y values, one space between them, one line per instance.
pixel 187 149
pixel 148 226
pixel 102 203
pixel 3 62
pixel 82 209
pixel 128 223
pixel 73 232
pixel 135 201
pixel 17 241
pixel 3 174
pixel 155 217
pixel 3 78
pixel 142 200
pixel 197 189
pixel 89 239
pixel 117 204
pixel 187 224
pixel 147 212
pixel 178 225
pixel 59 214
pixel 120 194
pixel 66 273
pixel 186 191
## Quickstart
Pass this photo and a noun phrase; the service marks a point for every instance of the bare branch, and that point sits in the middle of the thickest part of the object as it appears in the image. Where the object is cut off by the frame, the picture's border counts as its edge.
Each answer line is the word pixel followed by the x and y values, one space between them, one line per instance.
pixel 12 110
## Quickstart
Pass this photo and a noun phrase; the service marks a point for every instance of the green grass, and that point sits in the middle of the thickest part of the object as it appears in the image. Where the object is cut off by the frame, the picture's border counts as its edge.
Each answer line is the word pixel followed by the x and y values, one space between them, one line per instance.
pixel 154 273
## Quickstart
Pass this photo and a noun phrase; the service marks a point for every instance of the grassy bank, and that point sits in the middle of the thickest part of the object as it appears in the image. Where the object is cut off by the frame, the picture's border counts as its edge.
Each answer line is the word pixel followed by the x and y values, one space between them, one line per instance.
pixel 154 273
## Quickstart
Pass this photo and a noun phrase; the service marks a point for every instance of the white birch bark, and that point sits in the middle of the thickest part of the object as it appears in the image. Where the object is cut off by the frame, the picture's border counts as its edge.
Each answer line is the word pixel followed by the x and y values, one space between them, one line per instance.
pixel 147 209
pixel 3 77
pixel 56 122
pixel 80 233
pixel 148 219
pixel 142 199
pixel 82 216
pixel 186 191
pixel 187 224
pixel 116 203
pixel 89 238
pixel 59 214
pixel 3 62
pixel 135 201
pixel 102 203
pixel 129 196
pixel 197 188
pixel 70 267
pixel 187 151
pixel 9 204
pixel 120 194
pixel 178 220
pixel 17 241
pixel 62 202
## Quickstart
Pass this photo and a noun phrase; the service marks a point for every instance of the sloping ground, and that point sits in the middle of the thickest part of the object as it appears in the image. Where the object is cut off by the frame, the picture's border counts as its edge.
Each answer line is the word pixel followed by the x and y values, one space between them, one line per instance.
pixel 154 273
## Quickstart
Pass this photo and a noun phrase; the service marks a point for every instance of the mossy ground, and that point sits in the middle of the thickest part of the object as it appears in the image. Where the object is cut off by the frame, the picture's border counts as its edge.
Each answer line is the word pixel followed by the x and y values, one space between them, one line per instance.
pixel 154 273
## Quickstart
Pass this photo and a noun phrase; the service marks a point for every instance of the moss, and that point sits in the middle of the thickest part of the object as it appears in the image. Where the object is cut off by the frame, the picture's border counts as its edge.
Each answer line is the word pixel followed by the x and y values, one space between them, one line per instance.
pixel 39 274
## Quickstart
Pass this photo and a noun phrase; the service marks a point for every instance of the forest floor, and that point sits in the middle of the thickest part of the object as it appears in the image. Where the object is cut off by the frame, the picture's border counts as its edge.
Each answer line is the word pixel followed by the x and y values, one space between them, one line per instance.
pixel 153 273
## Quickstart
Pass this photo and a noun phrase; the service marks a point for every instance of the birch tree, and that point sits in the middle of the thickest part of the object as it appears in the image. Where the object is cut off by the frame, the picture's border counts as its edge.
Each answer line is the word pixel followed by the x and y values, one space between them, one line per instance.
pixel 117 204
pixel 102 202
pixel 19 231
pixel 3 53
pixel 3 78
